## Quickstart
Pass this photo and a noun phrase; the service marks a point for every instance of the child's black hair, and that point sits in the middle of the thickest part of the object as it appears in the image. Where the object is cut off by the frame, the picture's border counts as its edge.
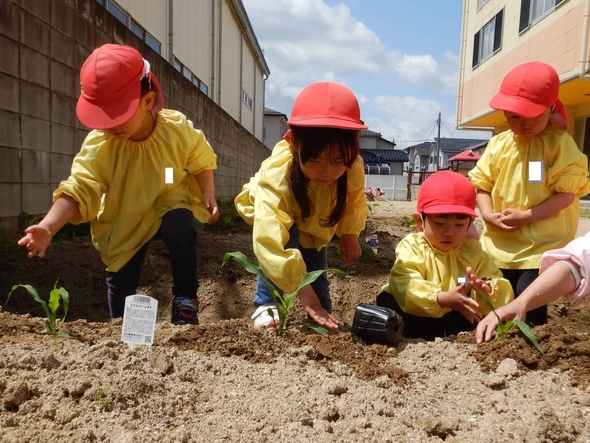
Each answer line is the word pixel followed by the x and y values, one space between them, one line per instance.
pixel 146 86
pixel 308 143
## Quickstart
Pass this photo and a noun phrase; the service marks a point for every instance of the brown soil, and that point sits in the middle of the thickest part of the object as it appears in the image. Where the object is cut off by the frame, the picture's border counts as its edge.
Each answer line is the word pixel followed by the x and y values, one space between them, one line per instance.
pixel 225 381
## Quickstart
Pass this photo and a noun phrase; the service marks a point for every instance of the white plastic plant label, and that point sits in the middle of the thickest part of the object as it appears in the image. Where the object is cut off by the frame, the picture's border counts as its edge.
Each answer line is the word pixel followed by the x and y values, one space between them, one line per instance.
pixel 139 320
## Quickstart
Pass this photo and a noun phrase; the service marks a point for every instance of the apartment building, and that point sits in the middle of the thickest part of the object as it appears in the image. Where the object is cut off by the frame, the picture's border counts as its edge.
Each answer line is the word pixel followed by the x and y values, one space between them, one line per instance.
pixel 212 43
pixel 500 34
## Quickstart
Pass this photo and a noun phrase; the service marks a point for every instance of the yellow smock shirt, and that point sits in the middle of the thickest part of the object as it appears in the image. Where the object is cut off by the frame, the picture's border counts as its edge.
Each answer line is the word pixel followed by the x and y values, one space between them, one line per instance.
pixel 503 171
pixel 266 202
pixel 121 189
pixel 420 272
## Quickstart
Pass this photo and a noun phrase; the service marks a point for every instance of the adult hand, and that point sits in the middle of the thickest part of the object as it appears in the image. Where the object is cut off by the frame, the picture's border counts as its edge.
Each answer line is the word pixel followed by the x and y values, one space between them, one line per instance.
pixel 311 304
pixel 350 249
pixel 486 329
pixel 37 240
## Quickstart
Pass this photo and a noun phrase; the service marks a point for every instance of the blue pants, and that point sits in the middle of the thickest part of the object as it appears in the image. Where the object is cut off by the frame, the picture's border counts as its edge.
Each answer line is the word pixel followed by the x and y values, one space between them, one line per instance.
pixel 314 260
pixel 179 234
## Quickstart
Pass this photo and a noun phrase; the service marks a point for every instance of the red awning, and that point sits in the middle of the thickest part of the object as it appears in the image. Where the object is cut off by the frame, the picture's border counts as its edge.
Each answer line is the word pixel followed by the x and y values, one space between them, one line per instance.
pixel 466 156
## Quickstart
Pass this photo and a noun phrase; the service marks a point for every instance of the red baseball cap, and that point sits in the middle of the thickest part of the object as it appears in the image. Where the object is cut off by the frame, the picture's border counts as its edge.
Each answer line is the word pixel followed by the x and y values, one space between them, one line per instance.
pixel 529 90
pixel 447 192
pixel 110 82
pixel 327 104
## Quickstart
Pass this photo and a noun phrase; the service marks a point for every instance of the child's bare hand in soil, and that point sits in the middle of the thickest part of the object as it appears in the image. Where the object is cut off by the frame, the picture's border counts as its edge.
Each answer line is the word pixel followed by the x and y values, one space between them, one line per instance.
pixel 311 304
pixel 350 248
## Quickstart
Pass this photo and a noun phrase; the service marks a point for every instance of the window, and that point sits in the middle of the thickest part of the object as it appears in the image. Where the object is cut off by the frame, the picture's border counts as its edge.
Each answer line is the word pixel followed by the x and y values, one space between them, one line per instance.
pixel 117 12
pixel 177 65
pixel 246 99
pixel 480 3
pixel 531 11
pixel 488 40
pixel 153 43
pixel 136 29
pixel 204 88
pixel 121 15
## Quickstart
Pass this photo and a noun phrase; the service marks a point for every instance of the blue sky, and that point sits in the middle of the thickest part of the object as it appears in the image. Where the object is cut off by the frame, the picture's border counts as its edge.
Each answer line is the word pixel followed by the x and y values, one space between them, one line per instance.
pixel 400 57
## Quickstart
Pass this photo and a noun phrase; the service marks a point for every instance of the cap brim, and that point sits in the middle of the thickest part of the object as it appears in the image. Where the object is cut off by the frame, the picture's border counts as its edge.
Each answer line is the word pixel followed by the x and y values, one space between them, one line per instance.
pixel 449 209
pixel 517 105
pixel 108 115
pixel 328 123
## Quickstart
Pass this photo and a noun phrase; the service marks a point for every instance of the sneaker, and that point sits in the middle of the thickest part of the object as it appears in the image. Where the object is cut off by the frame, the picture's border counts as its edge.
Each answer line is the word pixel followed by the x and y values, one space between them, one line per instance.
pixel 261 317
pixel 184 311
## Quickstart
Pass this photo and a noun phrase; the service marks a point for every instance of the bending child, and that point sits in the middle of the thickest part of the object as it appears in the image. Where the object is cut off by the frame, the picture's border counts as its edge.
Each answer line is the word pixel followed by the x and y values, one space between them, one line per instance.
pixel 311 188
pixel 529 178
pixel 424 284
pixel 564 272
pixel 144 172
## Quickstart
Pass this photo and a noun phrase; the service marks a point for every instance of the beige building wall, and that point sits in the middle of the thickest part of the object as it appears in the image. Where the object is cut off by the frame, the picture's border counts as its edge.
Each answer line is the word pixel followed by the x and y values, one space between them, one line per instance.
pixel 558 38
pixel 214 40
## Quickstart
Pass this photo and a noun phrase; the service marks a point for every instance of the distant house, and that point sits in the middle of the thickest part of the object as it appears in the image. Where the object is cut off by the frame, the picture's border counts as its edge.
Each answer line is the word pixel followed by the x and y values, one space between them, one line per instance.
pixel 426 155
pixel 380 155
pixel 275 126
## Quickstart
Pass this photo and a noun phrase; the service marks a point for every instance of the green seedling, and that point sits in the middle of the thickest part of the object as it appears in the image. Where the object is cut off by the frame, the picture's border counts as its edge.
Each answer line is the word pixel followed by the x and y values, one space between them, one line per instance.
pixel 101 398
pixel 503 328
pixel 228 219
pixel 50 309
pixel 283 302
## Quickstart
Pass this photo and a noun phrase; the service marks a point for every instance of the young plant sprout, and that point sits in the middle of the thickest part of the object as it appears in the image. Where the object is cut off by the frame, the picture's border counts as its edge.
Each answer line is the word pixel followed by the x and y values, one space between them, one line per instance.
pixel 50 309
pixel 283 302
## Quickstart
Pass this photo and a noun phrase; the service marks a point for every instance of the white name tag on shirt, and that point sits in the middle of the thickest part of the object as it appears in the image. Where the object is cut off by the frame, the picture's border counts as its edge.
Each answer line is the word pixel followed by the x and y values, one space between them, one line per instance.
pixel 536 171
pixel 169 175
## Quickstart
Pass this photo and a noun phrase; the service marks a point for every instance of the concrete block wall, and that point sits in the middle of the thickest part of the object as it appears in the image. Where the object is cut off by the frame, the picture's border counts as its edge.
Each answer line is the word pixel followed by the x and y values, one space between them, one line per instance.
pixel 43 45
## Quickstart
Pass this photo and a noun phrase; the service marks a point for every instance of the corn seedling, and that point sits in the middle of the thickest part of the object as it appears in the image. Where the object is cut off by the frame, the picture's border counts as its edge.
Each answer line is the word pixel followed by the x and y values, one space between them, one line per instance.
pixel 503 328
pixel 49 308
pixel 283 302
pixel 101 398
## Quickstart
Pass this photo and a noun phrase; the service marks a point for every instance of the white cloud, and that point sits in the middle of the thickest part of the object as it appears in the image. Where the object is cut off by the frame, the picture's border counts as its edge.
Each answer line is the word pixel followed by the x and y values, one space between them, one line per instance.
pixel 306 41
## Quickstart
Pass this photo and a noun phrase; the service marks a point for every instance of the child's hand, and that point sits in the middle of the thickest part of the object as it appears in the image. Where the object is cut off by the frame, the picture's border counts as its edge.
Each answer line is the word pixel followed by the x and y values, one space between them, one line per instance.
pixel 477 282
pixel 457 301
pixel 311 304
pixel 495 219
pixel 350 249
pixel 37 240
pixel 211 205
pixel 515 217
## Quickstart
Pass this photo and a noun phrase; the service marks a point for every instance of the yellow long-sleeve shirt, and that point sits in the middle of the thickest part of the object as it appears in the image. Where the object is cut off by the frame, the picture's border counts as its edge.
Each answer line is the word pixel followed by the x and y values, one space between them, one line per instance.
pixel 267 203
pixel 120 185
pixel 421 272
pixel 503 171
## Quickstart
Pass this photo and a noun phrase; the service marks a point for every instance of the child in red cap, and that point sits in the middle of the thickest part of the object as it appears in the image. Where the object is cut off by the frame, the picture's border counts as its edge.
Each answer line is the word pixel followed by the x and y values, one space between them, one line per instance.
pixel 530 178
pixel 144 172
pixel 311 188
pixel 424 285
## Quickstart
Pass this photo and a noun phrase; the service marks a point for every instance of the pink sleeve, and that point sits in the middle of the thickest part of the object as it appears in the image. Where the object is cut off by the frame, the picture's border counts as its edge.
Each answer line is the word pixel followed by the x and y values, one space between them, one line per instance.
pixel 576 253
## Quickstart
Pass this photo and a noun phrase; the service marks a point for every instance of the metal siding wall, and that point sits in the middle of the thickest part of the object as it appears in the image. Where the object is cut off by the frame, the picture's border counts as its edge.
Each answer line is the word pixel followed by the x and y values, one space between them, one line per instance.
pixel 152 15
pixel 249 85
pixel 230 63
pixel 193 29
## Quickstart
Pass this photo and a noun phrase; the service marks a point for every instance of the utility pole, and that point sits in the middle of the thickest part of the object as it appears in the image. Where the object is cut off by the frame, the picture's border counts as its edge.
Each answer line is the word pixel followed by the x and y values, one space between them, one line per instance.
pixel 438 145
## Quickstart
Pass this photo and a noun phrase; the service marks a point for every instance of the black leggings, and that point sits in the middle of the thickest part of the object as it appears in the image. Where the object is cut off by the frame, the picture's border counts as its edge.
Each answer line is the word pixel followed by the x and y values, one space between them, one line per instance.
pixel 426 327
pixel 179 234
pixel 520 279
